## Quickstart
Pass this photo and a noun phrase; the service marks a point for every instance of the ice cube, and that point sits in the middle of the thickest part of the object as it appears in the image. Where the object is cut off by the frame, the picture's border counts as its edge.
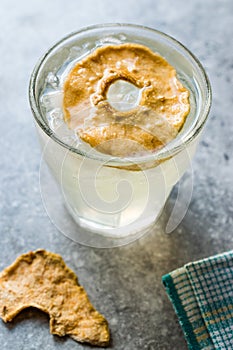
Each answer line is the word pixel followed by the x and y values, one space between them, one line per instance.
pixel 53 80
pixel 51 100
pixel 123 95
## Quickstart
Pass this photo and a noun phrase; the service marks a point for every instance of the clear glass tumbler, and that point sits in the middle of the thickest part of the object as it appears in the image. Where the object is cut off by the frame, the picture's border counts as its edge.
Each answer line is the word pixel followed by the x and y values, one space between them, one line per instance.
pixel 114 199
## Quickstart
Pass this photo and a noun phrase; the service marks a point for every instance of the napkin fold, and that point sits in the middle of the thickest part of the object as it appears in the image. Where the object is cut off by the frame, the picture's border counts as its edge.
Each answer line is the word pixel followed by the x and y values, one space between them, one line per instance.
pixel 202 295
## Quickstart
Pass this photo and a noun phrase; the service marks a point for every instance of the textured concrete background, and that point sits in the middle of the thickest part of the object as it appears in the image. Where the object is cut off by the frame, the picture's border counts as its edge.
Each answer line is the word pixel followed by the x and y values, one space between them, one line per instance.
pixel 123 283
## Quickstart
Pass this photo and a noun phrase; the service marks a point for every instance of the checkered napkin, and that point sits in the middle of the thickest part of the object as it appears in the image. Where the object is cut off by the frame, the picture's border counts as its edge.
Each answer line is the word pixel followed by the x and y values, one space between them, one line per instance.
pixel 202 295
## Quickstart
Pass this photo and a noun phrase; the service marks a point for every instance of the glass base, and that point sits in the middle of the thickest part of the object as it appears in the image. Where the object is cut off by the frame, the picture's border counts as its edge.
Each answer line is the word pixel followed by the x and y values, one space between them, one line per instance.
pixel 79 229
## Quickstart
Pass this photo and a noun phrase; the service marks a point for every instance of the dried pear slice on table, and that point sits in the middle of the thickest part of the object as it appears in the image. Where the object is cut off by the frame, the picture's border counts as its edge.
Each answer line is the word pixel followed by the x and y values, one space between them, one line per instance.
pixel 42 280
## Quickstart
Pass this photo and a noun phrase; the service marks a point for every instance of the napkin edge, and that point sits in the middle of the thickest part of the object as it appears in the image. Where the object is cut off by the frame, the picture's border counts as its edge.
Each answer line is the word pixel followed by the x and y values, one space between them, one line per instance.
pixel 180 312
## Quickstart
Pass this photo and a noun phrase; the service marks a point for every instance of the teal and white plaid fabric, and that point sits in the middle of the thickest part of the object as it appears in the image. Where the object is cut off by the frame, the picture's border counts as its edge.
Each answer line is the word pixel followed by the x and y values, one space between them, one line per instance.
pixel 202 295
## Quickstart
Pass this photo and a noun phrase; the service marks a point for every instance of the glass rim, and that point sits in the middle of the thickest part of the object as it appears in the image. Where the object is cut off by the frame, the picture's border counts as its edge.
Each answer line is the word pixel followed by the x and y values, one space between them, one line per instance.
pixel 165 152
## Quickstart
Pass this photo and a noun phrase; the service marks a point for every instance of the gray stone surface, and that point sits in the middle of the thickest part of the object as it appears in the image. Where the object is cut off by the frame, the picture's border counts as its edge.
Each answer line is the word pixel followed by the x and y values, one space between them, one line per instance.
pixel 123 283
